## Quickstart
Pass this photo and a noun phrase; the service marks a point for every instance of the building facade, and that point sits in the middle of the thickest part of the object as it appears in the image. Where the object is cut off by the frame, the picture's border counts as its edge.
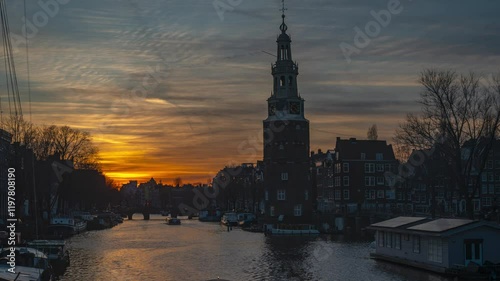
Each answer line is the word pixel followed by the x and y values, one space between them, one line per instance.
pixel 287 180
pixel 359 176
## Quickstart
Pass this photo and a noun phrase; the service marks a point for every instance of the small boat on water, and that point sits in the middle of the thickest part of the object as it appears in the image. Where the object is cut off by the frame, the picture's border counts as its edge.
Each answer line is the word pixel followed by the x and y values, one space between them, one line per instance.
pixel 56 252
pixel 66 226
pixel 173 221
pixel 230 219
pixel 294 229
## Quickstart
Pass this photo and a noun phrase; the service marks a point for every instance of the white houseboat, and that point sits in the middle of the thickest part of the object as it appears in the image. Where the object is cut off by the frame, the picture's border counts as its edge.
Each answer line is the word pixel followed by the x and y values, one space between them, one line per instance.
pixel 66 226
pixel 450 246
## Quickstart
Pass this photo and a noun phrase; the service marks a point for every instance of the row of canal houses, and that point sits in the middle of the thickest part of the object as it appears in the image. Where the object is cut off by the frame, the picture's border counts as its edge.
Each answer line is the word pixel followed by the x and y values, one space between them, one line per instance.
pixel 47 188
pixel 364 177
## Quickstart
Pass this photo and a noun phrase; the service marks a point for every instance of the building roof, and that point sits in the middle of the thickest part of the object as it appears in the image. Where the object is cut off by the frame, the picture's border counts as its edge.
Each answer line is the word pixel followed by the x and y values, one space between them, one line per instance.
pixel 431 227
pixel 398 222
pixel 441 225
pixel 352 149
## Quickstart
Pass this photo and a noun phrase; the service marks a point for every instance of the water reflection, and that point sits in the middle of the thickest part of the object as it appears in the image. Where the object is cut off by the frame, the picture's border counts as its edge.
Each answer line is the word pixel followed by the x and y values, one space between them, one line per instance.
pixel 152 250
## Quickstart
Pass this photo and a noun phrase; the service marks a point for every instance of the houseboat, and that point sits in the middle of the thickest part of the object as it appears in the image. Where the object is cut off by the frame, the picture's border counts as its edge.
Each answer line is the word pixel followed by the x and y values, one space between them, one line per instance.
pixel 292 229
pixel 56 253
pixel 230 219
pixel 458 247
pixel 66 226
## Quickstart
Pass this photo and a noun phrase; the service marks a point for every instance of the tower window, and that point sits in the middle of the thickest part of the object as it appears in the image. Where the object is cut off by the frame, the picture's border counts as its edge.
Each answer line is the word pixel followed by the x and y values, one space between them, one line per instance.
pixel 290 80
pixel 282 81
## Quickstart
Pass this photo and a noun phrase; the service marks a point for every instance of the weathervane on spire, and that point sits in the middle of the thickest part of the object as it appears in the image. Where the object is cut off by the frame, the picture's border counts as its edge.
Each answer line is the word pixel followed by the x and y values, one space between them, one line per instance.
pixel 283 9
pixel 283 26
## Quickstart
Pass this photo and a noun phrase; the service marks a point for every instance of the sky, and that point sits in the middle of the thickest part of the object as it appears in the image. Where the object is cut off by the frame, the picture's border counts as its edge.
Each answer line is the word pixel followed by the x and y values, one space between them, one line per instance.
pixel 172 88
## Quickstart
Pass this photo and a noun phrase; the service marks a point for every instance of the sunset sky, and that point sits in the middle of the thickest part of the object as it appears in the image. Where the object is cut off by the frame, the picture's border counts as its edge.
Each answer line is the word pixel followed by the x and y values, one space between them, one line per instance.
pixel 176 88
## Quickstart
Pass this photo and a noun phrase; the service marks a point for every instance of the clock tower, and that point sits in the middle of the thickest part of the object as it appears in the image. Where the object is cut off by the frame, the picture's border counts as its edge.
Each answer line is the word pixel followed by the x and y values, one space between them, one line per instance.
pixel 287 183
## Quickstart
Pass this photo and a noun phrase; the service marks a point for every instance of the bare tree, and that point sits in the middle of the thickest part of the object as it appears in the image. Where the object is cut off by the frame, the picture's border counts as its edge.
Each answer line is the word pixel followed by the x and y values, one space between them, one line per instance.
pixel 69 144
pixel 460 119
pixel 22 131
pixel 372 133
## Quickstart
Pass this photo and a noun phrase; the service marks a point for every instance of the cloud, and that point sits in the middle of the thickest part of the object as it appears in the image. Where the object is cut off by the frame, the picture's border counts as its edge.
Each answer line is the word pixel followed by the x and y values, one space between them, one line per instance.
pixel 168 89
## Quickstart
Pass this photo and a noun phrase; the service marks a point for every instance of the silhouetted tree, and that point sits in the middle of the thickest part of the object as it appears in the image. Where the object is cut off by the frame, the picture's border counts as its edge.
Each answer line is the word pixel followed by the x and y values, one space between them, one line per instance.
pixel 460 119
pixel 372 133
pixel 69 144
pixel 23 132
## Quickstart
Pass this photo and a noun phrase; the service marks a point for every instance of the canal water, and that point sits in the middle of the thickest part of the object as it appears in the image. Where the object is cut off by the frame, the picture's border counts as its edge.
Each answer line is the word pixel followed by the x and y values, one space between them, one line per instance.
pixel 151 250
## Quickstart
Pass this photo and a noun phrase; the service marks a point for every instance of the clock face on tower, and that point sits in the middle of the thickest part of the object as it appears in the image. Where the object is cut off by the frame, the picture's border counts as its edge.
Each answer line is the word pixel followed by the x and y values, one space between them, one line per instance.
pixel 272 109
pixel 294 107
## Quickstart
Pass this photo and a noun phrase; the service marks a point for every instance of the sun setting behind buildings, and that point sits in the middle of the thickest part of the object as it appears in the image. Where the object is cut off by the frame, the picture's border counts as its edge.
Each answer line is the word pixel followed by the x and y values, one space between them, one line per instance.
pixel 212 81
pixel 292 116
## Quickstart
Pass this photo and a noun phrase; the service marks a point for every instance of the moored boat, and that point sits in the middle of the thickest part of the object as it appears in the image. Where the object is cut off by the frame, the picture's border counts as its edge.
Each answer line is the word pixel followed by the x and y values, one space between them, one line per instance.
pixel 66 226
pixel 29 260
pixel 230 219
pixel 246 219
pixel 23 273
pixel 56 252
pixel 294 229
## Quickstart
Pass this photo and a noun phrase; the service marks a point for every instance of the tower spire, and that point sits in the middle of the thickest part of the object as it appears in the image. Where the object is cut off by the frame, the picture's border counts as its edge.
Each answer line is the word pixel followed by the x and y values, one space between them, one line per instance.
pixel 283 26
